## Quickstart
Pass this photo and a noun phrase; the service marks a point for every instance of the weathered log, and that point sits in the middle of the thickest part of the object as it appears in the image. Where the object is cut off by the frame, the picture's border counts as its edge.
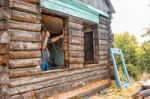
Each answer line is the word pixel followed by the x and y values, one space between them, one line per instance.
pixel 24 54
pixel 103 42
pixel 75 26
pixel 23 72
pixel 76 40
pixel 21 5
pixel 24 46
pixel 24 36
pixel 4 79
pixel 4 92
pixel 21 63
pixel 25 26
pixel 25 17
pixel 76 60
pixel 103 48
pixel 76 66
pixel 88 89
pixel 4 25
pixel 49 91
pixel 103 52
pixel 103 62
pixel 4 13
pixel 76 54
pixel 76 33
pixel 49 75
pixel 76 47
pixel 4 37
pixel 75 20
pixel 3 69
pixel 4 3
pixel 32 1
pixel 40 85
pixel 4 59
pixel 4 49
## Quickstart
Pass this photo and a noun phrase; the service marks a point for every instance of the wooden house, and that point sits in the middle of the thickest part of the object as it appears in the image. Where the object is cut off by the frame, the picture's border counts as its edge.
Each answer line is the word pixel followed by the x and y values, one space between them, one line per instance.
pixel 87 37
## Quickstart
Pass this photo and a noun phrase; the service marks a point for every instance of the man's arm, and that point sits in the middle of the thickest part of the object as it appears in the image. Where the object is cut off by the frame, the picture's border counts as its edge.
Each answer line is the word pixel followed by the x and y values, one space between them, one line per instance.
pixel 54 39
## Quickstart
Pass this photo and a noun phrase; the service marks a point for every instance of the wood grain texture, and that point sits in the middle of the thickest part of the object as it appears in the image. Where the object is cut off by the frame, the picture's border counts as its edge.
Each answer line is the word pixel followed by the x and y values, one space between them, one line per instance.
pixel 20 46
pixel 21 5
pixel 4 37
pixel 25 26
pixel 20 63
pixel 24 36
pixel 25 17
pixel 25 54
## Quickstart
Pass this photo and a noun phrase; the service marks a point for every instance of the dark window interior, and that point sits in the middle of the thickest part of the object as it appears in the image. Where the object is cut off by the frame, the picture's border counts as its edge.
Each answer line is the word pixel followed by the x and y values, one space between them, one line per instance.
pixel 88 47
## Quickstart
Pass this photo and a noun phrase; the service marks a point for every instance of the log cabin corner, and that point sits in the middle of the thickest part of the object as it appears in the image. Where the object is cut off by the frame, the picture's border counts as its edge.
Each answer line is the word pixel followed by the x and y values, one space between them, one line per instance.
pixel 79 62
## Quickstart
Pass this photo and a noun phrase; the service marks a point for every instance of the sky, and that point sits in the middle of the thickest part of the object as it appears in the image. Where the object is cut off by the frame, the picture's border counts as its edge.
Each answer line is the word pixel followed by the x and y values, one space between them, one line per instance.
pixel 132 16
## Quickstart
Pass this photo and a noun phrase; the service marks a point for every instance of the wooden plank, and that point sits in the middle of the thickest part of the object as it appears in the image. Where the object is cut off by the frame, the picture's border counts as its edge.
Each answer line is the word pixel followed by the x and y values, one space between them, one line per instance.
pixel 75 26
pixel 21 5
pixel 24 36
pixel 4 13
pixel 40 85
pixel 14 82
pixel 25 17
pixel 21 63
pixel 25 26
pixel 49 91
pixel 25 54
pixel 103 52
pixel 23 72
pixel 4 49
pixel 24 46
pixel 81 90
pixel 4 37
pixel 3 69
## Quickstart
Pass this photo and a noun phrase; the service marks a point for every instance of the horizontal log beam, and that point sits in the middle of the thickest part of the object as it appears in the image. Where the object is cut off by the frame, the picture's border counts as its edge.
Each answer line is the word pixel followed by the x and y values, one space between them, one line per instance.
pixel 21 5
pixel 32 1
pixel 76 33
pixel 25 17
pixel 75 26
pixel 25 54
pixel 4 59
pixel 76 60
pixel 4 25
pixel 40 85
pixel 14 82
pixel 25 26
pixel 21 63
pixel 23 72
pixel 24 46
pixel 24 36
pixel 49 91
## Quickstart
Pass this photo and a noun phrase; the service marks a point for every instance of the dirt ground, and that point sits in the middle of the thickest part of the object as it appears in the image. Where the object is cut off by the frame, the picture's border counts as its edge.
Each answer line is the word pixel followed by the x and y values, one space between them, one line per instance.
pixel 116 93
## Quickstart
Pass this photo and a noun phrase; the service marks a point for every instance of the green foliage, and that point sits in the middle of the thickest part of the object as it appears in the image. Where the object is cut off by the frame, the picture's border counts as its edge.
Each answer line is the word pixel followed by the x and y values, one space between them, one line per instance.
pixel 137 57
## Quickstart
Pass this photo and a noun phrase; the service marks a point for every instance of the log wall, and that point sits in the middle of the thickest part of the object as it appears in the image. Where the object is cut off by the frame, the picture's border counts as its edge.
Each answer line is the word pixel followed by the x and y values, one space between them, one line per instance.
pixel 20 54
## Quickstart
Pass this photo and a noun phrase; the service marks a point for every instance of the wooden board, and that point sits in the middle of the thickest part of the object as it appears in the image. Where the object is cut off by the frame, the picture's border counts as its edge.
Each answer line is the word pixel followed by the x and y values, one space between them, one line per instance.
pixel 4 49
pixel 75 26
pixel 32 1
pixel 4 25
pixel 4 59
